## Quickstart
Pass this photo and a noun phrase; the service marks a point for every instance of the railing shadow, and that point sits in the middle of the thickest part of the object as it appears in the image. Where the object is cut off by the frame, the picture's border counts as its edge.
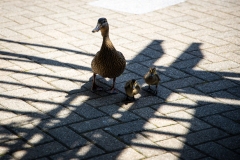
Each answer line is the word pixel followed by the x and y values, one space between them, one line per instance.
pixel 81 124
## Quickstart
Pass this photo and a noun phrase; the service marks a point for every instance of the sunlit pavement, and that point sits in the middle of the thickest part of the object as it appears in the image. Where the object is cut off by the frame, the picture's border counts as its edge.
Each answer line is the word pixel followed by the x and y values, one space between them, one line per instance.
pixel 47 110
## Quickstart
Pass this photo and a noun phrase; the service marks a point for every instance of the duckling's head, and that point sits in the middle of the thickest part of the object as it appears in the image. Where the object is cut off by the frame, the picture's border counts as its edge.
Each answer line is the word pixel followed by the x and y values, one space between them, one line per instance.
pixel 101 25
pixel 133 83
pixel 152 71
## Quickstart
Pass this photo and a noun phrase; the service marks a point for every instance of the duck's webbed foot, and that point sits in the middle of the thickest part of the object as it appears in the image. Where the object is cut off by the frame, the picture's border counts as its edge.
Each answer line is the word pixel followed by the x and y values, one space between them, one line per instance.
pixel 155 92
pixel 152 91
pixel 129 99
pixel 96 87
pixel 112 90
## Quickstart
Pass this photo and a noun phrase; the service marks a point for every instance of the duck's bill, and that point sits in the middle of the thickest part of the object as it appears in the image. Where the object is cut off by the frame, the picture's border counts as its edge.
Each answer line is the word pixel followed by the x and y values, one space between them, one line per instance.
pixel 98 27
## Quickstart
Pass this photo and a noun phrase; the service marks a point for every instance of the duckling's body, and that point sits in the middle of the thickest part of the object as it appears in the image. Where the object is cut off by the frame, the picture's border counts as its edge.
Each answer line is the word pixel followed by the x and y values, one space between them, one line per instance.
pixel 152 78
pixel 132 88
pixel 108 62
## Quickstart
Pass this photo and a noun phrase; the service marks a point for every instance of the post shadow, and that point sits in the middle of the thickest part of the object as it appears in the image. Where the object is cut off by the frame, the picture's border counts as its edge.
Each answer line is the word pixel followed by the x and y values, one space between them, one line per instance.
pixel 52 122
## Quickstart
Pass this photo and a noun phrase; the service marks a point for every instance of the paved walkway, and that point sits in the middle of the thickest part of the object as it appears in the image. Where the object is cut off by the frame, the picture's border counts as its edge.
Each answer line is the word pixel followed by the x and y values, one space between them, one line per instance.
pixel 47 110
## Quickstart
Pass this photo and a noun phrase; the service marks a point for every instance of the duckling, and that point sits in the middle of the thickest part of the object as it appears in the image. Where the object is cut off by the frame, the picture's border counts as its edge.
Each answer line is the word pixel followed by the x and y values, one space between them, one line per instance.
pixel 132 88
pixel 152 78
pixel 108 62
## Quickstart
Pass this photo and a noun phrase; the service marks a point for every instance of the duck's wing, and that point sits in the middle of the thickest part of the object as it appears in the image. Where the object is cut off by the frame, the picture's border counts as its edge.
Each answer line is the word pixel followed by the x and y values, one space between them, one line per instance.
pixel 159 79
pixel 127 85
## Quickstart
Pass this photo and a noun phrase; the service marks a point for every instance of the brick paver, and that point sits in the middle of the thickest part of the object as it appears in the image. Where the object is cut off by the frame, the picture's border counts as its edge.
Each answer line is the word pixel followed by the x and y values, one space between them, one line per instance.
pixel 49 112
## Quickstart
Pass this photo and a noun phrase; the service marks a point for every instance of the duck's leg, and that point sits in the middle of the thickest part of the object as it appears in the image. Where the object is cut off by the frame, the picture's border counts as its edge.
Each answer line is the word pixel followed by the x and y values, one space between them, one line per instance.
pixel 113 90
pixel 95 87
pixel 155 92
pixel 149 88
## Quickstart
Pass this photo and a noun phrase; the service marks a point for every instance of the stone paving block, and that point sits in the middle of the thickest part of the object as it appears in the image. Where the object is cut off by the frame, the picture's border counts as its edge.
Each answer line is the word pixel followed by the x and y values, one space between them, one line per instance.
pixel 59 121
pixel 7 157
pixel 210 134
pixel 175 73
pixel 220 66
pixel 68 137
pixel 119 113
pixel 182 83
pixel 163 157
pixel 143 145
pixel 54 110
pixel 142 102
pixel 154 117
pixel 129 127
pixel 134 67
pixel 19 106
pixel 65 85
pixel 24 119
pixel 217 151
pixel 175 106
pixel 226 124
pixel 166 132
pixel 165 60
pixel 87 111
pixel 32 134
pixel 202 74
pixel 39 151
pixel 8 85
pixel 93 124
pixel 98 102
pixel 233 115
pixel 10 146
pixel 235 91
pixel 168 95
pixel 209 109
pixel 125 77
pixel 151 53
pixel 197 96
pixel 127 153
pixel 21 92
pixel 6 135
pixel 105 140
pixel 186 63
pixel 231 142
pixel 188 121
pixel 79 153
pixel 179 149
pixel 6 115
pixel 38 83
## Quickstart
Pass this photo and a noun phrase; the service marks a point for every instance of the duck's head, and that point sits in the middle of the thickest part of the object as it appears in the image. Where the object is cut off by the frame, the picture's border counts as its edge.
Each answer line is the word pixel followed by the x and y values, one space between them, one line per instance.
pixel 102 25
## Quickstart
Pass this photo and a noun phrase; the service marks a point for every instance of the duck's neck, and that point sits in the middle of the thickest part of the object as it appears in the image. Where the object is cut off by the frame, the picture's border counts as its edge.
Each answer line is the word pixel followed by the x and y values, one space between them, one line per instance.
pixel 107 44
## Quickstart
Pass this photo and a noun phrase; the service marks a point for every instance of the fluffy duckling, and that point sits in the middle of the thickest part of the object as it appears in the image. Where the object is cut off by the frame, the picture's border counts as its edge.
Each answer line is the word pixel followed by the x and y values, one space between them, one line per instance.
pixel 132 88
pixel 108 62
pixel 152 78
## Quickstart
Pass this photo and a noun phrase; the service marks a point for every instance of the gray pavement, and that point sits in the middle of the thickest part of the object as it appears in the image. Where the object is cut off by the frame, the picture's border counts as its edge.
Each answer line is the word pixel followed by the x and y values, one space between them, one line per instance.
pixel 47 110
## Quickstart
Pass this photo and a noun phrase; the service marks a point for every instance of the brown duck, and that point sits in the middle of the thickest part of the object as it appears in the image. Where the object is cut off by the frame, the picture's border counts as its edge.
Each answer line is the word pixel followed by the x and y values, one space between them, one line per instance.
pixel 108 62
pixel 152 78
pixel 131 88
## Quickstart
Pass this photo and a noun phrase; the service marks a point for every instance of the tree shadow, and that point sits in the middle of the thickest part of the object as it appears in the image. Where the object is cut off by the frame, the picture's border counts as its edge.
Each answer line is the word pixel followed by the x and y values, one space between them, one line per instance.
pixel 183 119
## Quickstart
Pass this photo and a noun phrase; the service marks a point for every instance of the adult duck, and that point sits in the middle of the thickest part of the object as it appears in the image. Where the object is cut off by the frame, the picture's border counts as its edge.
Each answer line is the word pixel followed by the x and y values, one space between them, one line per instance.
pixel 108 62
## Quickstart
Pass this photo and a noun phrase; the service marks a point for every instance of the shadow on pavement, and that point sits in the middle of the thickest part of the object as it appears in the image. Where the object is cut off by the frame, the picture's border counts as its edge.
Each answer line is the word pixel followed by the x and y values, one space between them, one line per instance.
pixel 191 117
